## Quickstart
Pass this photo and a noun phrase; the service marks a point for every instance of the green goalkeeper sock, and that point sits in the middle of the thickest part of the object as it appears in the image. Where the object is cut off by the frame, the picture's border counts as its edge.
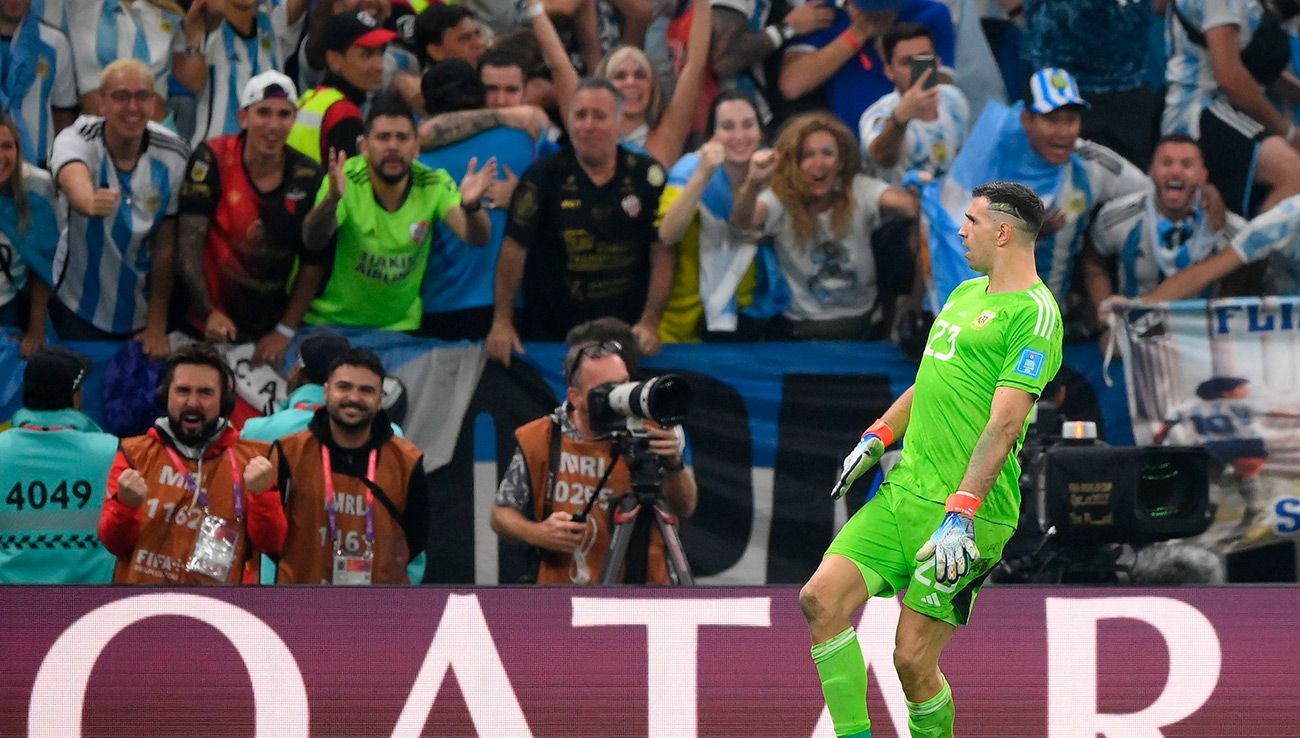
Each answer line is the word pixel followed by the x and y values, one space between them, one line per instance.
pixel 935 717
pixel 844 682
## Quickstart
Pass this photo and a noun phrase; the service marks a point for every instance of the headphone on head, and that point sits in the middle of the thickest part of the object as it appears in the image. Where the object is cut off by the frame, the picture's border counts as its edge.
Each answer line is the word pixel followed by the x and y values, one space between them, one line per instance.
pixel 163 388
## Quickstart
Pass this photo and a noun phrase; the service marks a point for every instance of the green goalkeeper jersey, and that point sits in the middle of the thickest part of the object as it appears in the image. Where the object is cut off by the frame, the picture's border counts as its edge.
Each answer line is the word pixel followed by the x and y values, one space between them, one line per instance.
pixel 979 342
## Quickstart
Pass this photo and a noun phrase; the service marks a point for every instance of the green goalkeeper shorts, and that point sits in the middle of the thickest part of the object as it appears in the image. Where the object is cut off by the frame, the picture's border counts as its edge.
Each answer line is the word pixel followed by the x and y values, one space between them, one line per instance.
pixel 883 537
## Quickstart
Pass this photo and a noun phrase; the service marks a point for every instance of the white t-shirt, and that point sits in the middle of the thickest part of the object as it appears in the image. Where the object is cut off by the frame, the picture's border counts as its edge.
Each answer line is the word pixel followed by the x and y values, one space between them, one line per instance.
pixel 929 146
pixel 829 277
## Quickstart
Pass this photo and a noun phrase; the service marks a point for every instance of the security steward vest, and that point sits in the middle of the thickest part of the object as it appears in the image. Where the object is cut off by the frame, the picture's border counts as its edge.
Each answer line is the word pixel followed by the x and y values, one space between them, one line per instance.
pixel 305 136
pixel 53 469
pixel 581 464
pixel 308 554
pixel 170 514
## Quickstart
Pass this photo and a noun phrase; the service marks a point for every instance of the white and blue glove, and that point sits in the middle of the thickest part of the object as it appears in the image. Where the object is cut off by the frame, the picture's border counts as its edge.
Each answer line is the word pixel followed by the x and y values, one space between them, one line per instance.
pixel 953 544
pixel 863 456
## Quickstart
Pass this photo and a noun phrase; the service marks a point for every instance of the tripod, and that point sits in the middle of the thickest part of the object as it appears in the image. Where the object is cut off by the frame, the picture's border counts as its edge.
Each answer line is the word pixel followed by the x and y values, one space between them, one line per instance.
pixel 633 514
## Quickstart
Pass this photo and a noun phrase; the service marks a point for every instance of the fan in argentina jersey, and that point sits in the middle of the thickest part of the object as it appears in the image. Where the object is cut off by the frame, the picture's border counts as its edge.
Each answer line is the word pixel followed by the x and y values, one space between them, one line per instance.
pixel 1273 237
pixel 1158 232
pixel 120 175
pixel 252 38
pixel 938 524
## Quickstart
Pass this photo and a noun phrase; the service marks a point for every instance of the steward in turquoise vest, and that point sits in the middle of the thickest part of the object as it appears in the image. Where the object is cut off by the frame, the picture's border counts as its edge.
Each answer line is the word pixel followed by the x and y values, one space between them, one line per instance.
pixel 53 473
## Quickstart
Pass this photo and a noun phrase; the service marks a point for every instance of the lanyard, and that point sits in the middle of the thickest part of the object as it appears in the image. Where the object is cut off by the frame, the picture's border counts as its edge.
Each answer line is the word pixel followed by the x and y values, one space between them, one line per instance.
pixel 331 508
pixel 197 488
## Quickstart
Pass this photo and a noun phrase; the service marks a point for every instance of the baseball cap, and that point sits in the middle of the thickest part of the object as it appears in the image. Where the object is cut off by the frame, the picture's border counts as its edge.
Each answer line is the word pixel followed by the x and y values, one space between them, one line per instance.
pixel 317 352
pixel 1053 88
pixel 268 85
pixel 355 28
pixel 53 375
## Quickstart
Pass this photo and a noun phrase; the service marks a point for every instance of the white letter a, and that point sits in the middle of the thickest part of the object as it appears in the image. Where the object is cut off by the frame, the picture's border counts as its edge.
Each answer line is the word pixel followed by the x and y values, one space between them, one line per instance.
pixel 464 644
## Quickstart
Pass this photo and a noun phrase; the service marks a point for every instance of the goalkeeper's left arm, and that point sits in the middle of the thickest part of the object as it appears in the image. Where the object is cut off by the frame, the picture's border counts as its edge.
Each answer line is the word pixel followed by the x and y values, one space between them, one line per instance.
pixel 953 544
pixel 875 439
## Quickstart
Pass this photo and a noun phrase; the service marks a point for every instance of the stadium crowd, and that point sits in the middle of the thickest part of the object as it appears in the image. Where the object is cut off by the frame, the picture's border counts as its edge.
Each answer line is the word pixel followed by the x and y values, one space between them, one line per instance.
pixel 738 170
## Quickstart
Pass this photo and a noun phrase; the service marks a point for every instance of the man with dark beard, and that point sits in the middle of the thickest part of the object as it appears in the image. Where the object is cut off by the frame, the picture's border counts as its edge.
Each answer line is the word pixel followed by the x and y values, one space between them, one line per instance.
pixel 355 493
pixel 377 212
pixel 187 502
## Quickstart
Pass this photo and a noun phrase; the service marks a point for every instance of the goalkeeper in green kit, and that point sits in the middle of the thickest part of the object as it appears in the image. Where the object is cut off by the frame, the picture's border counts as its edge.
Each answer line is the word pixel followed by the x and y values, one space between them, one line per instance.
pixel 938 524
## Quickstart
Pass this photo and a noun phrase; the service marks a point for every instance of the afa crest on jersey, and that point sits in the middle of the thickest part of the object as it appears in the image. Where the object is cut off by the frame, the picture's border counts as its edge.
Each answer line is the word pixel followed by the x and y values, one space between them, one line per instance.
pixel 983 319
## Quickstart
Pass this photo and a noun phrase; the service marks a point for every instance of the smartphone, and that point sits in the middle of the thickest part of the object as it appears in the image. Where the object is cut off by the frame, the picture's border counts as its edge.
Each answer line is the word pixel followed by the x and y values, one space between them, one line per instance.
pixel 922 62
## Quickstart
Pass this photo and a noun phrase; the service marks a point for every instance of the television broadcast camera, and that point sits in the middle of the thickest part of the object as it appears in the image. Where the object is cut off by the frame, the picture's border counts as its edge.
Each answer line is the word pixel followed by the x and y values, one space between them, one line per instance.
pixel 1085 504
pixel 620 410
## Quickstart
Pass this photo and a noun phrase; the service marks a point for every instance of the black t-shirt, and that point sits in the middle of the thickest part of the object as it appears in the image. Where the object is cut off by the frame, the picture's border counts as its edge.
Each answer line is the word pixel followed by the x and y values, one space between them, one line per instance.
pixel 249 252
pixel 588 246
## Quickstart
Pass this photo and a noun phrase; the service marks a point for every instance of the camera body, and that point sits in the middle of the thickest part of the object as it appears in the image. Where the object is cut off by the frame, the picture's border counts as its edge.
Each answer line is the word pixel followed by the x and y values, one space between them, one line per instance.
pixel 623 407
pixel 1092 493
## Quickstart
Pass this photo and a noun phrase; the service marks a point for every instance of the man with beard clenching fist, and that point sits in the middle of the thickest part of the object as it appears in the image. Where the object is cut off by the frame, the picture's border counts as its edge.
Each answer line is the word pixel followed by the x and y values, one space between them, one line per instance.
pixel 188 501
pixel 354 492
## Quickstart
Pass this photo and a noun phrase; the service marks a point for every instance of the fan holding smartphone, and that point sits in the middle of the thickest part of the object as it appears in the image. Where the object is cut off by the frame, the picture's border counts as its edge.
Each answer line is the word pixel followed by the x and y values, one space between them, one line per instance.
pixel 922 123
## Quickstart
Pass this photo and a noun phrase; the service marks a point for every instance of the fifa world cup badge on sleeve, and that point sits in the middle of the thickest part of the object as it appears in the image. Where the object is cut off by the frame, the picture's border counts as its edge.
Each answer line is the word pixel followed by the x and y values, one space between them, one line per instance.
pixel 1030 363
pixel 214 550
pixel 353 570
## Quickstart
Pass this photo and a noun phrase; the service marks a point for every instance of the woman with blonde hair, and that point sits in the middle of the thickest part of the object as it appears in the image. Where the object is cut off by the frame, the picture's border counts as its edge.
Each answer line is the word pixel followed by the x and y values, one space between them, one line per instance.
pixel 29 231
pixel 808 194
pixel 649 124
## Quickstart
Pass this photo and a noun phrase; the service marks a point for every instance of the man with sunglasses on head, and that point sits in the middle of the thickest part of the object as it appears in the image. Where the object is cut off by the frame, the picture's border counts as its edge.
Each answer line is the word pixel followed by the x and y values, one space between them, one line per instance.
pixel 557 465
pixel 242 207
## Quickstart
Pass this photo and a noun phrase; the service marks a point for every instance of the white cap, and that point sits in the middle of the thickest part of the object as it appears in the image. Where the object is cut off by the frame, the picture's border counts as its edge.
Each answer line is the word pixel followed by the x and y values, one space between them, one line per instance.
pixel 268 85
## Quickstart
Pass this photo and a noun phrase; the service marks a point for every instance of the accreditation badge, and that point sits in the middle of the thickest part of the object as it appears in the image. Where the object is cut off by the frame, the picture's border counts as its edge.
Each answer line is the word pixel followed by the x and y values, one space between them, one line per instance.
pixel 214 550
pixel 353 570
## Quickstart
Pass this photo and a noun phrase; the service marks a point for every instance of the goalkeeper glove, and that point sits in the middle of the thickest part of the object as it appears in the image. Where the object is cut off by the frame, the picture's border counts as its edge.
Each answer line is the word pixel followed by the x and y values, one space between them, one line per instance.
pixel 953 544
pixel 863 456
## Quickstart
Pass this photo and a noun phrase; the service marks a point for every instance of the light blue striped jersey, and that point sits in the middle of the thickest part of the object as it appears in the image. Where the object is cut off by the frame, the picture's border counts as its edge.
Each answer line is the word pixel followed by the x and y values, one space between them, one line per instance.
pixel 1274 236
pixel 36 77
pixel 102 264
pixel 233 59
pixel 1150 248
pixel 107 30
pixel 18 239
pixel 1094 176
pixel 52 12
pixel 1191 86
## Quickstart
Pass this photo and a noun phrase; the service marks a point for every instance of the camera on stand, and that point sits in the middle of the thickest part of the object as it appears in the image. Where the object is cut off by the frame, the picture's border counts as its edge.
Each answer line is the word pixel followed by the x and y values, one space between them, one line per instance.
pixel 620 410
pixel 1087 508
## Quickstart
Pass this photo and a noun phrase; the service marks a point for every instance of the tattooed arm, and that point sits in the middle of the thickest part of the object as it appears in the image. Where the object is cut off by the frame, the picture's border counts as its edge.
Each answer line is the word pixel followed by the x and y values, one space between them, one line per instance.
pixel 448 128
pixel 189 249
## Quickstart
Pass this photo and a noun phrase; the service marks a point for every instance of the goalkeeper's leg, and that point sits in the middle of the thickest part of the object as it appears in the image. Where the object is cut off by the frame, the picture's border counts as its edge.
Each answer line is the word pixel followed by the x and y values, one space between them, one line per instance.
pixel 828 601
pixel 921 639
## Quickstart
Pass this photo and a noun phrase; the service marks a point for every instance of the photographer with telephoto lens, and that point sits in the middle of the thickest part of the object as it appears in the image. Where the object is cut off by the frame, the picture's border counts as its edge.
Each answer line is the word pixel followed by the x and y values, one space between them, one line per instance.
pixel 561 460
